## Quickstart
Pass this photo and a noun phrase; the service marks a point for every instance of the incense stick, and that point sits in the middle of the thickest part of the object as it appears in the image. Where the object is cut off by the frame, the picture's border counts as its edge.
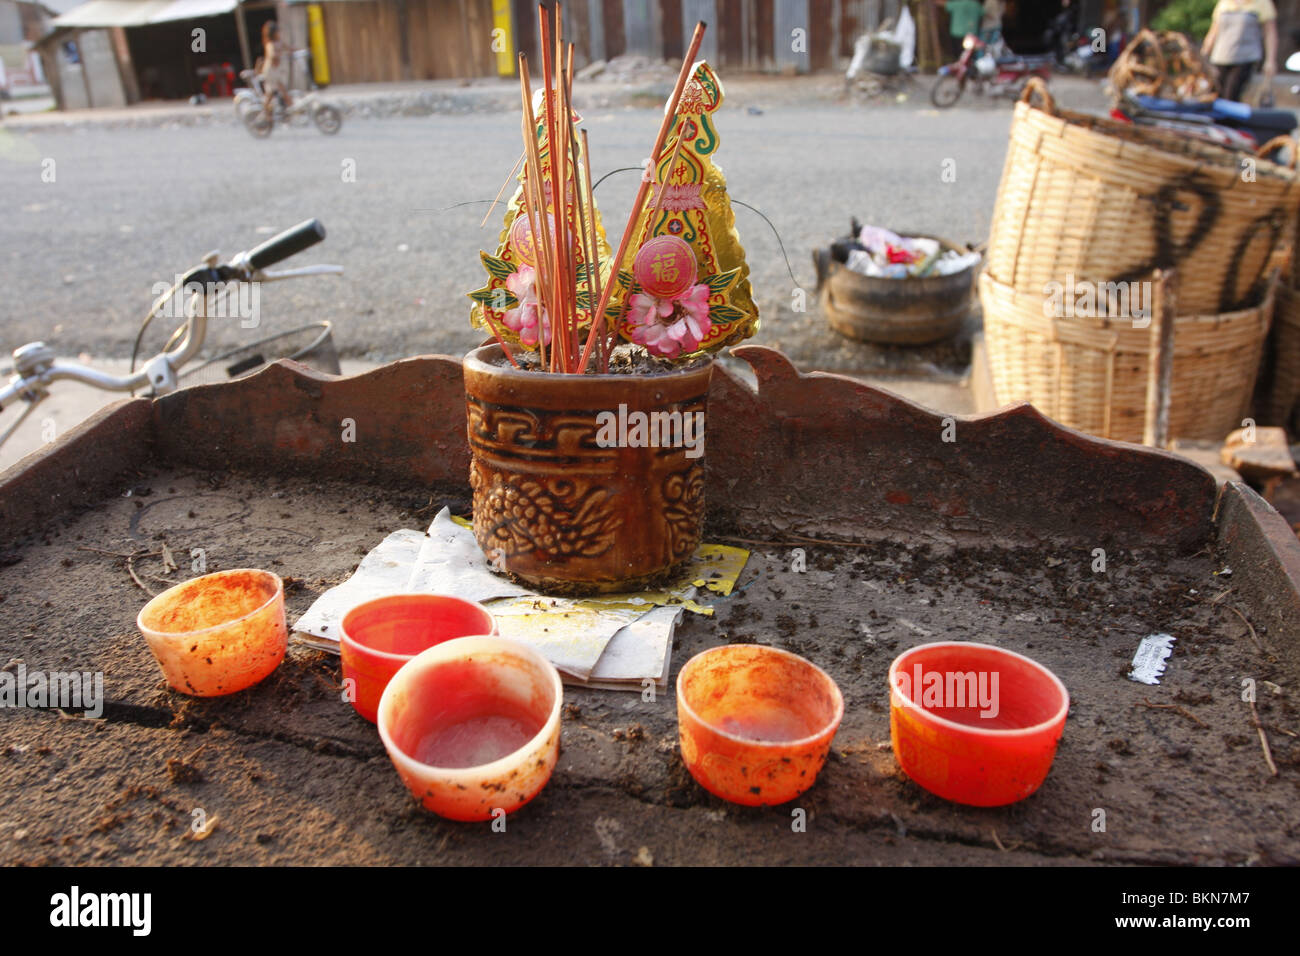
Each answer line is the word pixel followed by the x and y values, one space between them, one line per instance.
pixel 535 205
pixel 558 276
pixel 570 142
pixel 593 268
pixel 497 198
pixel 670 118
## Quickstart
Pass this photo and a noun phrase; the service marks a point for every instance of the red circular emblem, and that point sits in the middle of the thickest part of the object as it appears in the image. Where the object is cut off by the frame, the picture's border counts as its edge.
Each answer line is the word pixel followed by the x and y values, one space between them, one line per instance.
pixel 521 237
pixel 665 266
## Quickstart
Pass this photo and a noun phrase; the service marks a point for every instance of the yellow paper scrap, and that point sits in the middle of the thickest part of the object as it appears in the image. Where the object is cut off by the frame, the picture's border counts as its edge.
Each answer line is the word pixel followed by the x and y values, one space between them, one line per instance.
pixel 715 567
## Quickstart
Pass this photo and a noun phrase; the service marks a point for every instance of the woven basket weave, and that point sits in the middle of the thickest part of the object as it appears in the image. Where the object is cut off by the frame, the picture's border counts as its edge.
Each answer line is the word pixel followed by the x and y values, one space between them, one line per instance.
pixel 1103 200
pixel 1092 373
pixel 1283 372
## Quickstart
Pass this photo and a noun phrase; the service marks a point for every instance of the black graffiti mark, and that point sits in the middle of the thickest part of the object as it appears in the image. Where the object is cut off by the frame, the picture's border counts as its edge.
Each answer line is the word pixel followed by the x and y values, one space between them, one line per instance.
pixel 1169 253
pixel 1275 222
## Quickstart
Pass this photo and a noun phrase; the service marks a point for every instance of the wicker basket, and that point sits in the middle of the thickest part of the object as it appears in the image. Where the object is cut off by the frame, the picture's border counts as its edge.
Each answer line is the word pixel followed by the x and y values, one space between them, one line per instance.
pixel 1092 373
pixel 1105 201
pixel 1279 398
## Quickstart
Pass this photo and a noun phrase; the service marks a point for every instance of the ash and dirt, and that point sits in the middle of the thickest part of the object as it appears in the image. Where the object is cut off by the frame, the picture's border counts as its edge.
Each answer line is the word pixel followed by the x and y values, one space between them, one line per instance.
pixel 287 773
pixel 625 359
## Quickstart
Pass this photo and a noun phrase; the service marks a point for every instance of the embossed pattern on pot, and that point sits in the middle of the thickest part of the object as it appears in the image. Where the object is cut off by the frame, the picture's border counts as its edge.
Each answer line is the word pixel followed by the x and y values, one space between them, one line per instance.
pixel 555 509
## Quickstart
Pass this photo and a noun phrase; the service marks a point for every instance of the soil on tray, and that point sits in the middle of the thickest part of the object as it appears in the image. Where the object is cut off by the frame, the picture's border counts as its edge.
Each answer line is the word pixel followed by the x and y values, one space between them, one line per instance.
pixel 286 772
pixel 626 359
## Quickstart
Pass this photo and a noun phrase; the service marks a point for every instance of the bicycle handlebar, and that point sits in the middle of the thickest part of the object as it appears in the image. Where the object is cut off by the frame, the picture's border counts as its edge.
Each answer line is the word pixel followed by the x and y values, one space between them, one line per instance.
pixel 74 372
pixel 162 368
pixel 286 244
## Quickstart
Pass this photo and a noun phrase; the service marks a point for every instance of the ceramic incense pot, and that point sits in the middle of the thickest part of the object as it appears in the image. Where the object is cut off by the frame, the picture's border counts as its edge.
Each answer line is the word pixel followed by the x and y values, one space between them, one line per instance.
pixel 585 484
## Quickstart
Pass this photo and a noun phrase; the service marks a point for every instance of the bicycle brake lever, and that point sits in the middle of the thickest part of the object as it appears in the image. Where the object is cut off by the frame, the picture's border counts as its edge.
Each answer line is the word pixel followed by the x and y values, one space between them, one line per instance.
pixel 317 270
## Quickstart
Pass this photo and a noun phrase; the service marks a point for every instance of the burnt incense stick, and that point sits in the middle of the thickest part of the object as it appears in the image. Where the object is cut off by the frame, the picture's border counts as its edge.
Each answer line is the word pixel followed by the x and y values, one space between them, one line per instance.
pixel 536 207
pixel 500 192
pixel 552 126
pixel 581 217
pixel 650 220
pixel 499 337
pixel 571 182
pixel 593 268
pixel 670 118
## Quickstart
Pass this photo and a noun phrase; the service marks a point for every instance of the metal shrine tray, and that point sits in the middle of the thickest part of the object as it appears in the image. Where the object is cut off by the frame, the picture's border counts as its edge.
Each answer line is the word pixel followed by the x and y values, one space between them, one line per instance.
pixel 913 528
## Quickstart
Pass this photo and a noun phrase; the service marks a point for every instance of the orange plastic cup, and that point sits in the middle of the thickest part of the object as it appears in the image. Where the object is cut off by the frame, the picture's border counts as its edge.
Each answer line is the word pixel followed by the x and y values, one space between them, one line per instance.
pixel 473 726
pixel 973 723
pixel 379 636
pixel 755 722
pixel 219 633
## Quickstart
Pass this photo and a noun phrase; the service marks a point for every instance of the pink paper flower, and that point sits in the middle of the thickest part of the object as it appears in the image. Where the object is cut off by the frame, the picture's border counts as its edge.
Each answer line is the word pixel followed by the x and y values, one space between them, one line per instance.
pixel 529 315
pixel 679 197
pixel 671 327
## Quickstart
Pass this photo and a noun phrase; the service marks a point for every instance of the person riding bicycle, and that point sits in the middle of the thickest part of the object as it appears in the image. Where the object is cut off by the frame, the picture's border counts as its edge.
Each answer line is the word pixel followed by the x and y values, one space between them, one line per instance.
pixel 275 67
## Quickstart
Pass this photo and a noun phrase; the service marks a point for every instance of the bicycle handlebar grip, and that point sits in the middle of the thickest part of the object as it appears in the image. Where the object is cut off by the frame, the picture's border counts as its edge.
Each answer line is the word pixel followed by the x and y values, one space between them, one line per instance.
pixel 286 244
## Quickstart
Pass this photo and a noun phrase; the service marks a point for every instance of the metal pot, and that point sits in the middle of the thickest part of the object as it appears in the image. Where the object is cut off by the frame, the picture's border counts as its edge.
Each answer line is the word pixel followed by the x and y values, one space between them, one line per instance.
pixel 913 311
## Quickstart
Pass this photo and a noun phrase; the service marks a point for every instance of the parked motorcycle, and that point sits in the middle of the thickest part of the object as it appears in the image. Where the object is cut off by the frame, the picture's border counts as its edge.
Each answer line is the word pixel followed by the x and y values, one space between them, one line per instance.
pixel 995 75
pixel 306 108
pixel 1224 122
pixel 1084 60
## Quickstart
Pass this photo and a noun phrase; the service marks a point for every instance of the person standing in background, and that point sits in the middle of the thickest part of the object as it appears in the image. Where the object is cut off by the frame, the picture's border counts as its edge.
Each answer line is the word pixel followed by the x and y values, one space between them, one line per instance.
pixel 964 17
pixel 1242 34
pixel 991 25
pixel 275 66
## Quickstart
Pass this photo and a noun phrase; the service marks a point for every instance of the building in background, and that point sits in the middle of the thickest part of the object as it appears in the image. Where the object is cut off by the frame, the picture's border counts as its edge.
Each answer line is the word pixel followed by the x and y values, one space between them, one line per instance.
pixel 22 24
pixel 114 52
pixel 394 40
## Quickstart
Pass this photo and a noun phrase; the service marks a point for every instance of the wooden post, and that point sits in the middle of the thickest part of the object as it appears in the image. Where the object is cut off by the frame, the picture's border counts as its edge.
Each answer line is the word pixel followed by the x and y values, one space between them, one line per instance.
pixel 1160 363
pixel 241 27
pixel 596 28
pixel 930 51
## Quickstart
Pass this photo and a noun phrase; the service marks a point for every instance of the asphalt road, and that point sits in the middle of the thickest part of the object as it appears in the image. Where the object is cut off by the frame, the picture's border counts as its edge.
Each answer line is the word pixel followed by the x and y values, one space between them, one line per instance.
pixel 128 208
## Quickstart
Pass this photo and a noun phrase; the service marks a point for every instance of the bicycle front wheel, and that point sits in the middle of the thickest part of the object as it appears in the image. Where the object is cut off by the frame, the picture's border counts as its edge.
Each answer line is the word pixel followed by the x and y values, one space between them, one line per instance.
pixel 947 91
pixel 328 119
pixel 258 123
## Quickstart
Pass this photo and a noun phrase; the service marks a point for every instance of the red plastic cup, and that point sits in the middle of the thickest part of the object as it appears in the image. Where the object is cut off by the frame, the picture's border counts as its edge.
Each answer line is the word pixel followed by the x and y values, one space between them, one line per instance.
pixel 973 723
pixel 755 722
pixel 473 726
pixel 219 633
pixel 379 636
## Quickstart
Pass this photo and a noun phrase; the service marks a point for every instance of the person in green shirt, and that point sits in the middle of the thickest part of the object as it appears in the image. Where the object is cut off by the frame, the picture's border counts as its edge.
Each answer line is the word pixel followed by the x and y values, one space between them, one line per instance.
pixel 964 17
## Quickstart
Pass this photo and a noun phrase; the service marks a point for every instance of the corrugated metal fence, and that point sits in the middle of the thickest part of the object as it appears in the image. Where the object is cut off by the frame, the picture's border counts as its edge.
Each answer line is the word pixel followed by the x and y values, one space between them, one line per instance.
pixel 428 39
